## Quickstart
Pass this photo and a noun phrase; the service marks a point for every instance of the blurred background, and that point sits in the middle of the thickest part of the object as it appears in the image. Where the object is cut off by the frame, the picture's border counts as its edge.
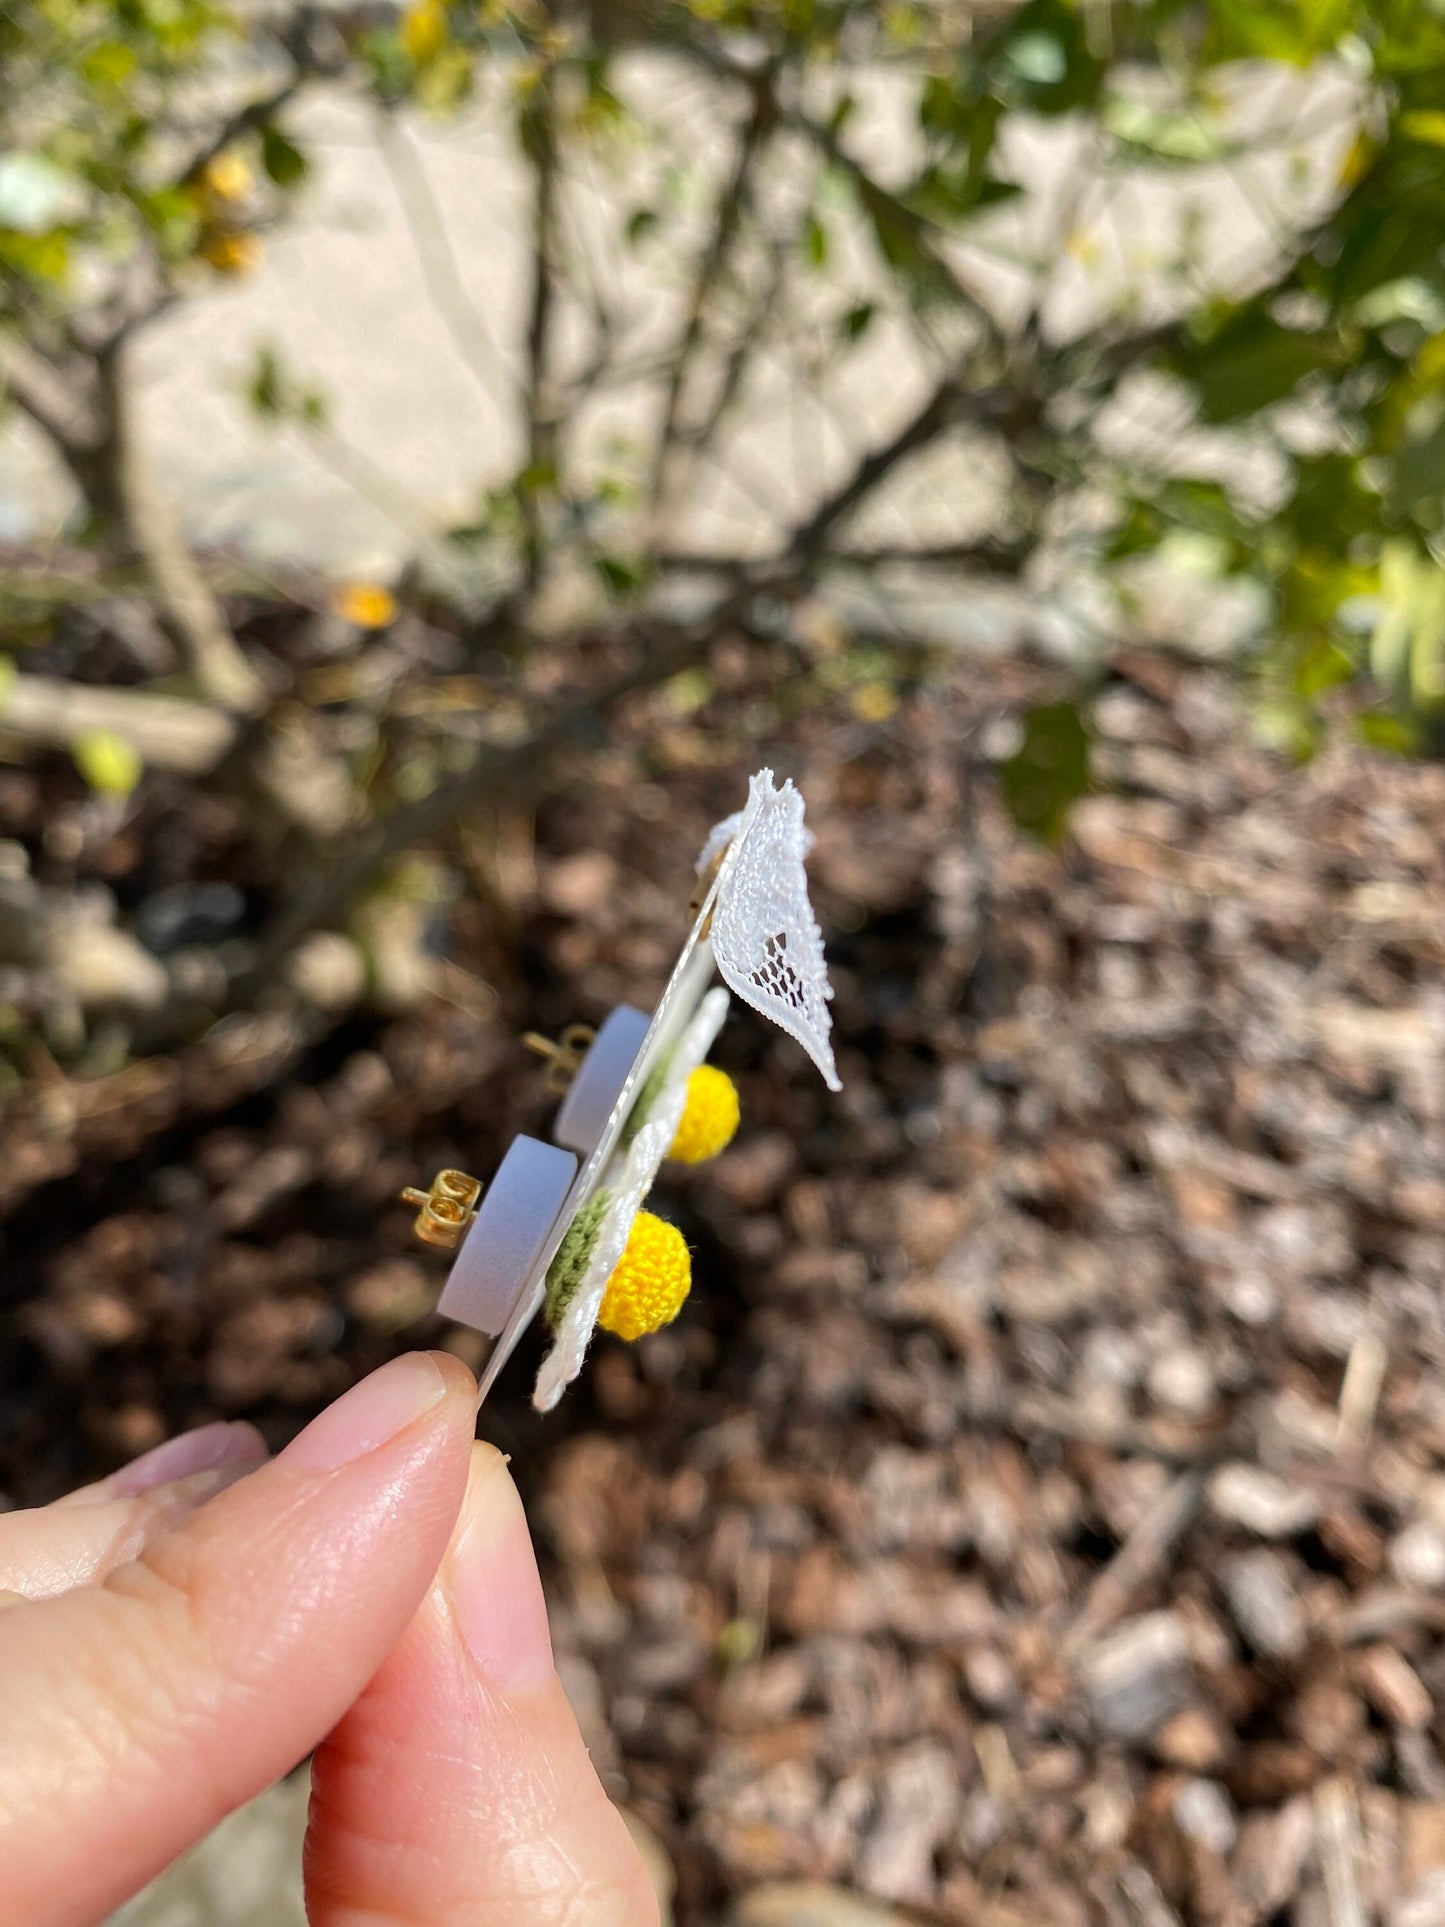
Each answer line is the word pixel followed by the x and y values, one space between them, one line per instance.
pixel 444 449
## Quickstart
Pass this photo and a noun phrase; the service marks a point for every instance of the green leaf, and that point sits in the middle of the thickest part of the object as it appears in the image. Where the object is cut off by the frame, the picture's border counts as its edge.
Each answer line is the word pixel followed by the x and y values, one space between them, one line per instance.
pixel 109 64
pixel 857 320
pixel 948 193
pixel 1252 363
pixel 1294 32
pixel 621 575
pixel 537 479
pixel 40 257
pixel 266 390
pixel 1417 486
pixel 1321 667
pixel 111 765
pixel 1164 133
pixel 282 158
pixel 1049 771
pixel 1407 649
pixel 1392 735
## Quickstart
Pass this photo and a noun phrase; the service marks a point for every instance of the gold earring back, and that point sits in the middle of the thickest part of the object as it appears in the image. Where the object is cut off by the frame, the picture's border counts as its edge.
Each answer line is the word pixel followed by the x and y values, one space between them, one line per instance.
pixel 444 1211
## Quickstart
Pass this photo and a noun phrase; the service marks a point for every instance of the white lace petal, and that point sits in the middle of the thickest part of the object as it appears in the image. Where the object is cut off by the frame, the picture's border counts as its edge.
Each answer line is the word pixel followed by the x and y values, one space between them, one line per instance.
pixel 767 943
pixel 629 1179
pixel 718 838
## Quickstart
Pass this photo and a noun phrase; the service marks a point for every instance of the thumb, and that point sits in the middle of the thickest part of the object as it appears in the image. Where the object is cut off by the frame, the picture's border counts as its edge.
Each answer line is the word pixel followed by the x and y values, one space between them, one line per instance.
pixel 134 1714
pixel 457 1789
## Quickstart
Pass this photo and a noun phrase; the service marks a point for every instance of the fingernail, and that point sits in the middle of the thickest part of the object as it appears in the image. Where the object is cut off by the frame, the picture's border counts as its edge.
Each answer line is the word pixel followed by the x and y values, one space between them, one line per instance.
pixel 207 1449
pixel 496 1588
pixel 368 1415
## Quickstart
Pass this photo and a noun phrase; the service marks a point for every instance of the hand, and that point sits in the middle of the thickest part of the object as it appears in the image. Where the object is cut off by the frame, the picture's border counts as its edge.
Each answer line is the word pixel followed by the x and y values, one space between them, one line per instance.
pixel 178 1636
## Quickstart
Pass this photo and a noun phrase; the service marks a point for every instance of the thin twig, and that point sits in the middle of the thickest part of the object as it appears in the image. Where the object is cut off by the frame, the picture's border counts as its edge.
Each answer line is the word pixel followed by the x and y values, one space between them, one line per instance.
pixel 937 413
pixel 880 201
pixel 1140 1557
pixel 722 232
pixel 984 555
pixel 1341 1851
pixel 699 437
pixel 464 321
pixel 149 524
pixel 539 141
pixel 45 393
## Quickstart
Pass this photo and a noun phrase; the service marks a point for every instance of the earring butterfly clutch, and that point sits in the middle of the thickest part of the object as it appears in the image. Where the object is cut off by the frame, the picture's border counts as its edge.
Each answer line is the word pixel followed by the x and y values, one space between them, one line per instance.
pixel 561 1228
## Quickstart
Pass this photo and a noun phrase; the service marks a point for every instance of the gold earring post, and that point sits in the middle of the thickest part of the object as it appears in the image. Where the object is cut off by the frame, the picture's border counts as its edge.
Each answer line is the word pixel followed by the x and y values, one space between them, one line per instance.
pixel 563 1055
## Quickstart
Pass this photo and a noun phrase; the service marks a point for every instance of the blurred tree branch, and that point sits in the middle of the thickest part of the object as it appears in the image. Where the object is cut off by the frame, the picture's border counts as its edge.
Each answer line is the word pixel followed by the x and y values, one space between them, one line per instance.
pixel 711 264
pixel 464 320
pixel 539 144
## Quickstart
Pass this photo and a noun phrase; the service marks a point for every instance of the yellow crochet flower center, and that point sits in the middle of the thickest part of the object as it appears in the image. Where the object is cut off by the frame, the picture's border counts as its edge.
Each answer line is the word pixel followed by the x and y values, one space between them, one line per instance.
pixel 710 1118
pixel 650 1284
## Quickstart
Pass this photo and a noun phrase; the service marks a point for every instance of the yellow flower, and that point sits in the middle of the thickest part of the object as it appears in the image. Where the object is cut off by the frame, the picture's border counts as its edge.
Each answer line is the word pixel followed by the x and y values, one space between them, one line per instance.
pixel 226 178
pixel 424 30
pixel 231 251
pixel 367 604
pixel 651 1282
pixel 874 702
pixel 709 1118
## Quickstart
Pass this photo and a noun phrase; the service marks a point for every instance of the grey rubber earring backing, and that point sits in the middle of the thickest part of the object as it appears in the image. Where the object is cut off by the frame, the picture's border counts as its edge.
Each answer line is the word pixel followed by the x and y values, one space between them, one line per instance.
pixel 517 1211
pixel 595 1089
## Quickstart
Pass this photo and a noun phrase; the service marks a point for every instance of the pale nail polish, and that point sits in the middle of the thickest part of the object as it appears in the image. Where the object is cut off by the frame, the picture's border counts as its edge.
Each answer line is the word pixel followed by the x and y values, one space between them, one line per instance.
pixel 368 1415
pixel 207 1449
pixel 496 1588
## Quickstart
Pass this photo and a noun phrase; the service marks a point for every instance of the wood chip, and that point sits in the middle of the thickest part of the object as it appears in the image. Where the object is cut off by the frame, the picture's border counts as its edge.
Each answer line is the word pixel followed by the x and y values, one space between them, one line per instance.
pixel 1394 1688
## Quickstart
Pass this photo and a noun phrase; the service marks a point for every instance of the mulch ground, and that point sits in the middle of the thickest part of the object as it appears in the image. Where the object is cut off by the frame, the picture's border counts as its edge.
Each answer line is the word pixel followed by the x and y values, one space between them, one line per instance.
pixel 1037 1514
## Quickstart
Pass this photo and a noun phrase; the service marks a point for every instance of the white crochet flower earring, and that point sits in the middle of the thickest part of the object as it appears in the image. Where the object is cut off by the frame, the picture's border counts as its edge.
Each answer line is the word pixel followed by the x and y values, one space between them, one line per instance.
pixel 561 1226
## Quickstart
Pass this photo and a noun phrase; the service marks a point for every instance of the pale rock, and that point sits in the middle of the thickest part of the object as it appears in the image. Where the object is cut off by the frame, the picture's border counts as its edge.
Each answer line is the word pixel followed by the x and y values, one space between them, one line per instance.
pixel 1394 1688
pixel 1270 1858
pixel 102 967
pixel 1263 1504
pixel 327 971
pixel 573 886
pixel 1181 1380
pixel 1417 1555
pixel 1193 1739
pixel 1264 1604
pixel 1139 1676
pixel 918 1811
pixel 1203 1811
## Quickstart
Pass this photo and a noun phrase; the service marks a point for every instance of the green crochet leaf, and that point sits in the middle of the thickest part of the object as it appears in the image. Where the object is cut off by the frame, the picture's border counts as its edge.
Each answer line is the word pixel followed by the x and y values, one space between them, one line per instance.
pixel 564 1274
